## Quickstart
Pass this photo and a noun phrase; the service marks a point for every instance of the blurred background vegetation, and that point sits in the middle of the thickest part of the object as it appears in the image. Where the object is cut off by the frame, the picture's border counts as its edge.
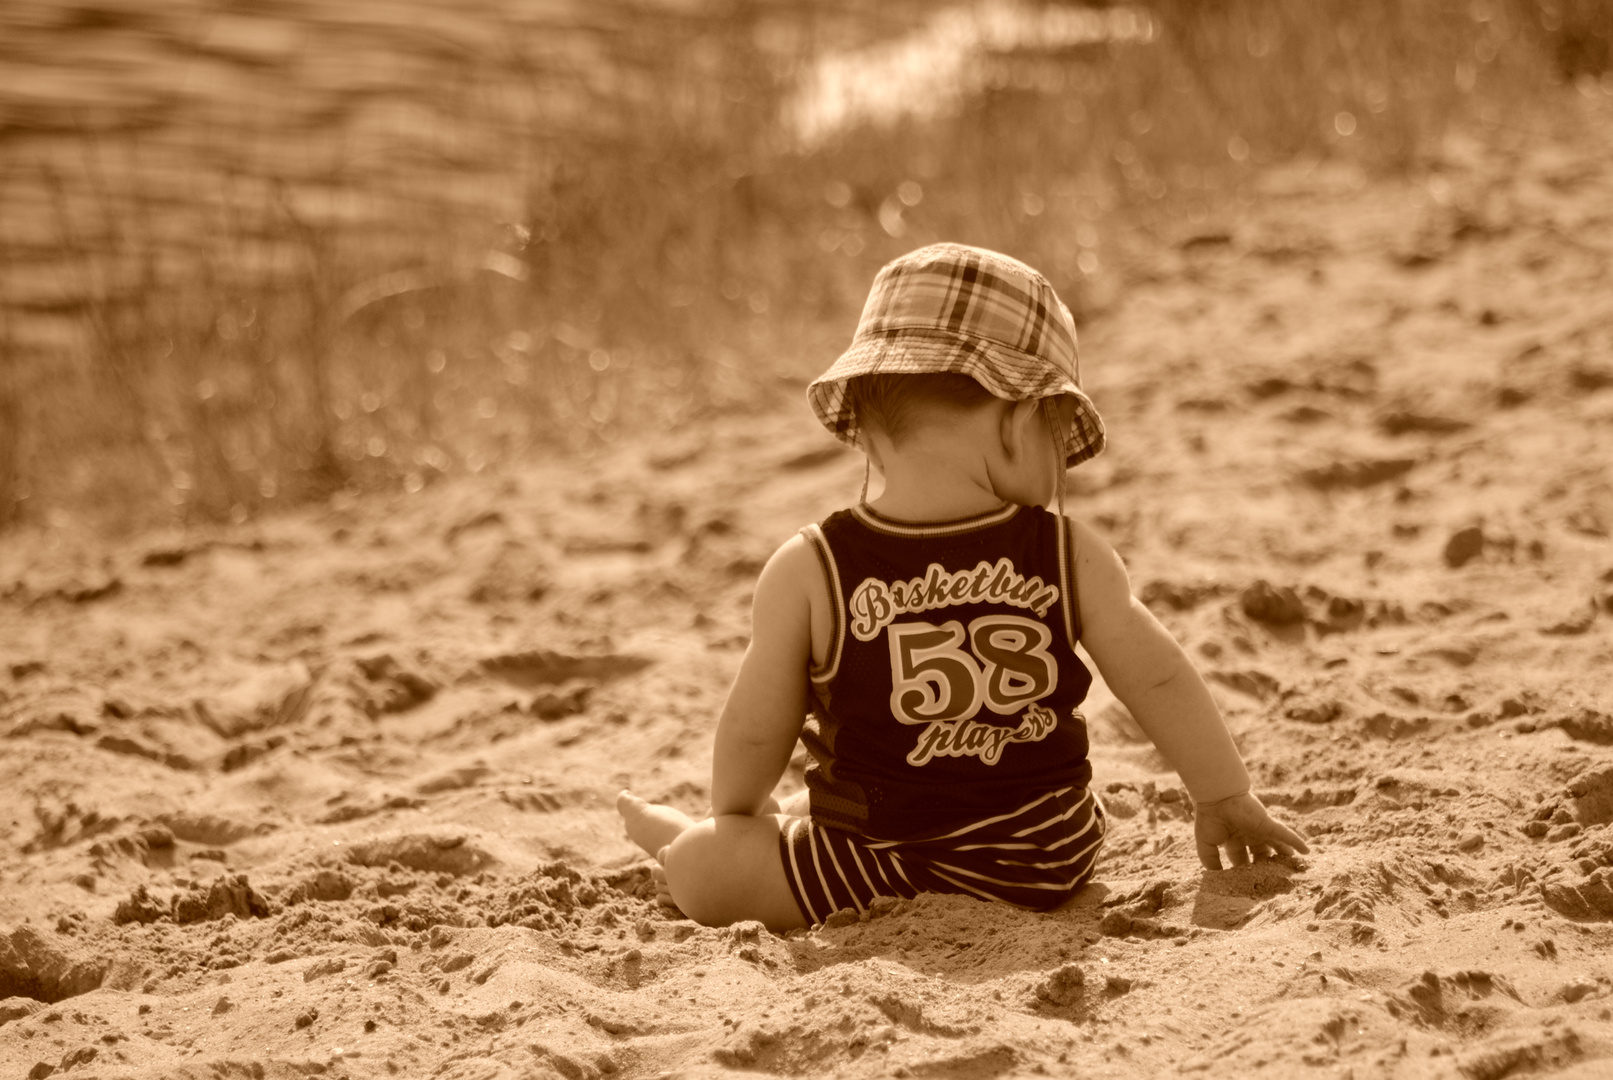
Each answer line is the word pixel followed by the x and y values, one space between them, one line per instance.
pixel 261 253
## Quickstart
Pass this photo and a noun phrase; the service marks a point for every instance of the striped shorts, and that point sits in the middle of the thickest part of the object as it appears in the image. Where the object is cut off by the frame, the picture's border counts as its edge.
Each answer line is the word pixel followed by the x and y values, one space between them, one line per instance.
pixel 1036 857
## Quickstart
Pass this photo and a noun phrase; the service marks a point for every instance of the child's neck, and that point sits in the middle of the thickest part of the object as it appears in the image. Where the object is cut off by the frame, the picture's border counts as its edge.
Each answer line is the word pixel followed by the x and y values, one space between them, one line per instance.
pixel 917 510
pixel 930 487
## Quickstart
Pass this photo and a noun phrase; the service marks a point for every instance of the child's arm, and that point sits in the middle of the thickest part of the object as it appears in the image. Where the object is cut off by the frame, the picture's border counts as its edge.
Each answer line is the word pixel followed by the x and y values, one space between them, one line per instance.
pixel 766 706
pixel 1150 674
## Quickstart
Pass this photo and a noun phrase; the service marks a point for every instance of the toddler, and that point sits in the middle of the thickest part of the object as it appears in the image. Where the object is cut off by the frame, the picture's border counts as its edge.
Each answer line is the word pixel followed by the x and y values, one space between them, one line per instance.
pixel 922 643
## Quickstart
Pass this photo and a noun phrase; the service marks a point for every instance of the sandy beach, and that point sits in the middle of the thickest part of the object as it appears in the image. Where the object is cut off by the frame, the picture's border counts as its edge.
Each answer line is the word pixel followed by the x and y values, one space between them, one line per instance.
pixel 331 793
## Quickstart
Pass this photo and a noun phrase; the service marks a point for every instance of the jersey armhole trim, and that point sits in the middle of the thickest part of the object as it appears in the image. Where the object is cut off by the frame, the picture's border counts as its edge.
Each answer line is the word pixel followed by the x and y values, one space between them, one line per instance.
pixel 1072 598
pixel 837 602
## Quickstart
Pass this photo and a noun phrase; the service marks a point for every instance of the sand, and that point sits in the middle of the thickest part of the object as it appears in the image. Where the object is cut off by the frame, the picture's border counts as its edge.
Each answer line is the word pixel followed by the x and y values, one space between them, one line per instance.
pixel 331 793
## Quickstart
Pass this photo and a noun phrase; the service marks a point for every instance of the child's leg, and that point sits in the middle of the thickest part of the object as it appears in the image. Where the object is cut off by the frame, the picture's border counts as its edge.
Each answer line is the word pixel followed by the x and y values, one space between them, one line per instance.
pixel 652 826
pixel 727 869
pixel 721 870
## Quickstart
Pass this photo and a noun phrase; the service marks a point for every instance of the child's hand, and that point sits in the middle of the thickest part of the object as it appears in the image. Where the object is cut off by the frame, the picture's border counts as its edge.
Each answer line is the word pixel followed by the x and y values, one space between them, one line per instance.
pixel 1241 825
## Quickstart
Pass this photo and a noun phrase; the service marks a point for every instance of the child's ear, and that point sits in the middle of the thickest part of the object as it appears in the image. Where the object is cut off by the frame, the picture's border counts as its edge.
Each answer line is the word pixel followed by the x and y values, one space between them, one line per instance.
pixel 1019 428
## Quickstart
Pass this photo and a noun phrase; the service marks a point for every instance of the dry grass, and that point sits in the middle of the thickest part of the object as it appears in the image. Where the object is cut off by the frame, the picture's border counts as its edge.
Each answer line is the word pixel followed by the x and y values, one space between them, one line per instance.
pixel 667 249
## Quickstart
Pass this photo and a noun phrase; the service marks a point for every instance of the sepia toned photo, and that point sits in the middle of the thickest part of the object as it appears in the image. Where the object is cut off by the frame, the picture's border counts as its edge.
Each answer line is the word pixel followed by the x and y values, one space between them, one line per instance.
pixel 648 539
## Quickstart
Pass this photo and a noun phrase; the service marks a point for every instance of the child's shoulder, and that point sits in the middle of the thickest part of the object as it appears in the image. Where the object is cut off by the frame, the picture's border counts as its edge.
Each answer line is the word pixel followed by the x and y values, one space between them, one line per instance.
pixel 794 554
pixel 1084 537
pixel 1098 567
pixel 791 572
pixel 791 603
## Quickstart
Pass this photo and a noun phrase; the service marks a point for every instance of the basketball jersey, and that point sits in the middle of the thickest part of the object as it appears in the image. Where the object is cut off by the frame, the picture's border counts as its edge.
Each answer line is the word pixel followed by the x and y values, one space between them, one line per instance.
pixel 950 690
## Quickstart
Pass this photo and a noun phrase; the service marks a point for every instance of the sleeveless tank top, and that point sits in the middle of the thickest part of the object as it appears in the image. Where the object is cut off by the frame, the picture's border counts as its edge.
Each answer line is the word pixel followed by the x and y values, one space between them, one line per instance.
pixel 950 691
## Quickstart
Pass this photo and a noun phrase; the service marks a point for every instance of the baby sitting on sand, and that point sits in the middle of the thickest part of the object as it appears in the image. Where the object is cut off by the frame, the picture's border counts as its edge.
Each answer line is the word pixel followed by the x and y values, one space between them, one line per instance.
pixel 922 644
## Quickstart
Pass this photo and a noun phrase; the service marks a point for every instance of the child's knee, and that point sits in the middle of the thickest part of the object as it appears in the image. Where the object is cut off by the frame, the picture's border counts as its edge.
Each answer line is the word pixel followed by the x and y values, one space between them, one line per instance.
pixel 694 872
pixel 689 849
pixel 718 870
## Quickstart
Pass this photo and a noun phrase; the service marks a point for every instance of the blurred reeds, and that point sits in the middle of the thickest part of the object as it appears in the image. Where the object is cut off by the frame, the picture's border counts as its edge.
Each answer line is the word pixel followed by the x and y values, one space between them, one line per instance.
pixel 560 233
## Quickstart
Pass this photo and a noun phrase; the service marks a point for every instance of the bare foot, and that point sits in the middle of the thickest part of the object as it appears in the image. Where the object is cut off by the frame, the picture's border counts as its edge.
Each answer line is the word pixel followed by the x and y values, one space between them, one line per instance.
pixel 651 826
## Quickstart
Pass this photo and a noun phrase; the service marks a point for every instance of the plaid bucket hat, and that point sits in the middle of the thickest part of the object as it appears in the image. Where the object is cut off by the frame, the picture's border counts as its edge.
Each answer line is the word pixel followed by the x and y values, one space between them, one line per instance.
pixel 954 308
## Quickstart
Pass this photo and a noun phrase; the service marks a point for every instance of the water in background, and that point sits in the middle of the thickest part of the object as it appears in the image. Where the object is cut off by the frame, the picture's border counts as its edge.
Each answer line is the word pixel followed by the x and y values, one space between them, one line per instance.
pixel 265 253
pixel 931 69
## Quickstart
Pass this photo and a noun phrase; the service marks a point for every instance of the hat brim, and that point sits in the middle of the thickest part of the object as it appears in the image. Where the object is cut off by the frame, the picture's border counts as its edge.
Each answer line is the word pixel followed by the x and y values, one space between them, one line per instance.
pixel 1005 373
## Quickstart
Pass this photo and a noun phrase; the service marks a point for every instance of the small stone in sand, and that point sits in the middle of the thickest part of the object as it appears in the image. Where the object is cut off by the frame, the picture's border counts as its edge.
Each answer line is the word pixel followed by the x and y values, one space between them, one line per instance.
pixel 1464 546
pixel 1276 605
